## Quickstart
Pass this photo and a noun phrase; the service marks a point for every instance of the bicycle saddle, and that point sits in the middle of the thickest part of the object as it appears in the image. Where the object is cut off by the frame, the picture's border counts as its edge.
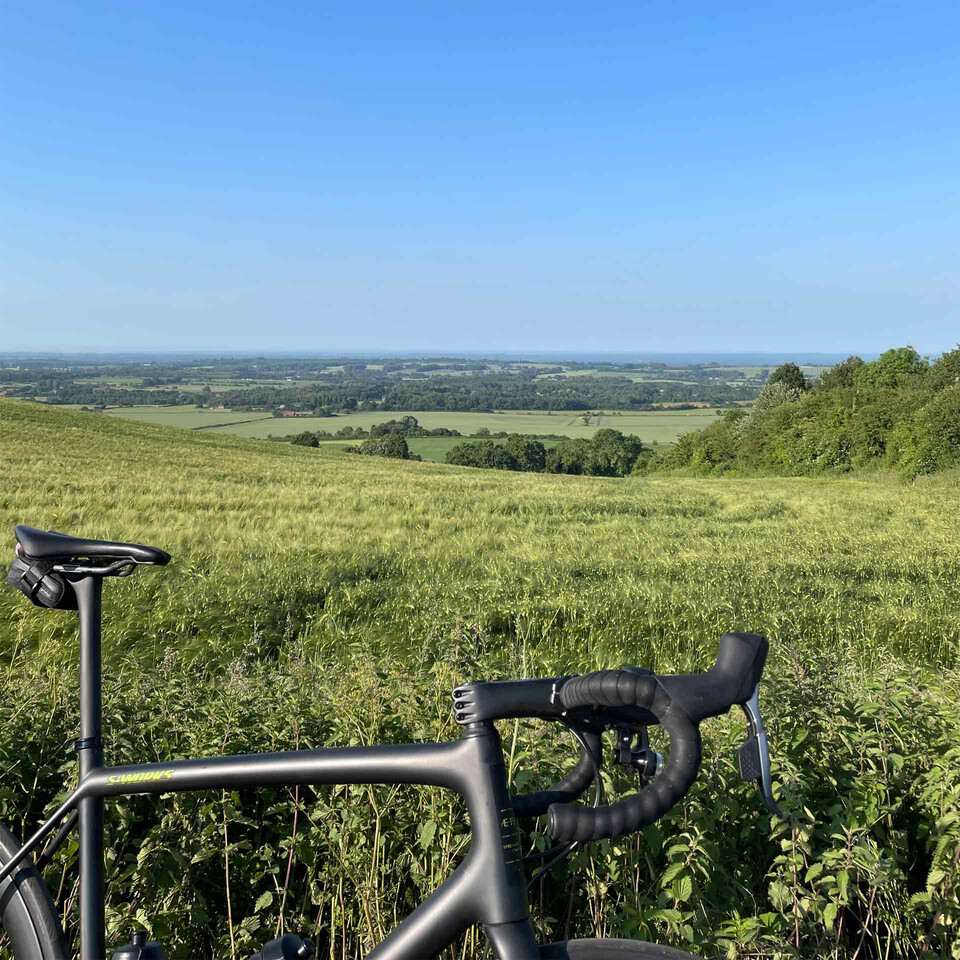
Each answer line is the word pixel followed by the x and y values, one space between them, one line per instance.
pixel 47 545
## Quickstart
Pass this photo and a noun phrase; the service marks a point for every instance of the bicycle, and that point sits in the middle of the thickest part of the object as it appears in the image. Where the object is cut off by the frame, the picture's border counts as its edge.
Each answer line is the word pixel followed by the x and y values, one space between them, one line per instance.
pixel 489 886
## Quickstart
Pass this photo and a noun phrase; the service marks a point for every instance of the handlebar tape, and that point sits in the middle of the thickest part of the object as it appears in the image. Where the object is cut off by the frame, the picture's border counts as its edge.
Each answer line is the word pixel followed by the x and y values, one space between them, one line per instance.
pixel 563 791
pixel 620 688
pixel 678 703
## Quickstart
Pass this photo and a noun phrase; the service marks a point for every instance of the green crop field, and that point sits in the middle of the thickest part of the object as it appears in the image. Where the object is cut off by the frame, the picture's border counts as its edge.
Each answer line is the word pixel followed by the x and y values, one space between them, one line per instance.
pixel 185 416
pixel 317 598
pixel 661 426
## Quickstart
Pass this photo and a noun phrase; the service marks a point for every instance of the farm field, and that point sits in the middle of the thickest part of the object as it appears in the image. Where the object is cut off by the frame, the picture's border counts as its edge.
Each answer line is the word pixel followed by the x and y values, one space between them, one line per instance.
pixel 187 416
pixel 677 374
pixel 659 426
pixel 321 599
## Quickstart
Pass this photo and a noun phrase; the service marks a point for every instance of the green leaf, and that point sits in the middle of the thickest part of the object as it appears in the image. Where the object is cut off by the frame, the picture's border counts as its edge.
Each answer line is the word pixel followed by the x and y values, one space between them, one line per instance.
pixel 264 900
pixel 682 889
pixel 670 873
pixel 428 831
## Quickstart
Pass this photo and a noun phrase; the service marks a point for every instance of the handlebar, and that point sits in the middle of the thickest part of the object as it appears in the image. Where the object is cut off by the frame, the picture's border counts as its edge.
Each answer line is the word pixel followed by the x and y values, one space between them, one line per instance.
pixel 637 698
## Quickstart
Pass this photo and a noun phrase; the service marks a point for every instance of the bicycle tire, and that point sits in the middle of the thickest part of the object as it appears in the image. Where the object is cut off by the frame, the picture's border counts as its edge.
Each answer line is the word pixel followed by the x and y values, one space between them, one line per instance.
pixel 611 950
pixel 28 918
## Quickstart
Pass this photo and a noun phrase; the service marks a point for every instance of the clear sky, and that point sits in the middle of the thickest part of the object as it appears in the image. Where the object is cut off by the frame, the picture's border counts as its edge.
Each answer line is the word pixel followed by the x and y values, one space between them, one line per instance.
pixel 470 176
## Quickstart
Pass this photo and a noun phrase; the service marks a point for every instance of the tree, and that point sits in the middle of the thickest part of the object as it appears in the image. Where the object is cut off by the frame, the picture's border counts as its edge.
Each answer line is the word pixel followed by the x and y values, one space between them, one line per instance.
pixel 495 457
pixel 392 445
pixel 790 375
pixel 753 431
pixel 305 439
pixel 612 454
pixel 892 370
pixel 467 454
pixel 487 454
pixel 841 375
pixel 571 456
pixel 930 441
pixel 531 455
pixel 945 371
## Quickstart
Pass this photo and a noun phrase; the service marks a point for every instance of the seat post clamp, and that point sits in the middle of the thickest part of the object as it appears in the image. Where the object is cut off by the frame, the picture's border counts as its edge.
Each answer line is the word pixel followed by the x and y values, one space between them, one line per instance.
pixel 88 743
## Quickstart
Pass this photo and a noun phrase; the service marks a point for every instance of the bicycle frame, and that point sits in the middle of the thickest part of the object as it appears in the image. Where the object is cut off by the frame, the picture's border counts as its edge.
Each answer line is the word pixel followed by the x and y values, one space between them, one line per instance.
pixel 489 887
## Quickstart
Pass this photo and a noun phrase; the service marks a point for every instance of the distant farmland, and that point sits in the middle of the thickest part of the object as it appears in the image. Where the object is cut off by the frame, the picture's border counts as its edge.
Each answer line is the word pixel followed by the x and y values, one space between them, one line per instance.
pixel 661 426
pixel 656 426
pixel 186 416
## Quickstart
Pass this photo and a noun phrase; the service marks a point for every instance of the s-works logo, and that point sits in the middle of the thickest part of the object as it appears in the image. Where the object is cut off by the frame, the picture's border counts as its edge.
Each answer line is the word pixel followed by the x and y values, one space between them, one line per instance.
pixel 143 777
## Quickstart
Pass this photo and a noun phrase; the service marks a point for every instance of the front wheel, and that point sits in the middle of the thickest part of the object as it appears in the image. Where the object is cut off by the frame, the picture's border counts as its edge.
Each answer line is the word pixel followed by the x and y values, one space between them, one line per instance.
pixel 29 925
pixel 610 950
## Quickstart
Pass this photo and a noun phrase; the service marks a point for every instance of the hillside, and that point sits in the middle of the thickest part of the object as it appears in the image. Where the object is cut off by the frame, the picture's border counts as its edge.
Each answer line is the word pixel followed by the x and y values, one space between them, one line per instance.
pixel 317 597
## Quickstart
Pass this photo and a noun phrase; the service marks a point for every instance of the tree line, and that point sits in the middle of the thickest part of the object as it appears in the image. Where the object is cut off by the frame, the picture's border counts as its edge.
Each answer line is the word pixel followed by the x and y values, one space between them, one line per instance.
pixel 378 391
pixel 609 453
pixel 897 412
pixel 408 426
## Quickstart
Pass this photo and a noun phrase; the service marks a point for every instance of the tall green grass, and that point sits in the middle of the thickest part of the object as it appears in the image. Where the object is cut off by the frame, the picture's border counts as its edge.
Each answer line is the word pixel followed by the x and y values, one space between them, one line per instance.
pixel 309 585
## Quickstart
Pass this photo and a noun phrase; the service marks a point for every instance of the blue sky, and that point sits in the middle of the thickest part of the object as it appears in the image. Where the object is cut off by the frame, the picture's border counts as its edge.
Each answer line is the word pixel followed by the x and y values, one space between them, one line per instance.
pixel 465 176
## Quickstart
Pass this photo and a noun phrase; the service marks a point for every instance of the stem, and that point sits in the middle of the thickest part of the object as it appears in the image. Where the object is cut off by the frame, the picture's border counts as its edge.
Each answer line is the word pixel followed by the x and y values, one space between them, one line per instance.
pixel 293 840
pixel 226 868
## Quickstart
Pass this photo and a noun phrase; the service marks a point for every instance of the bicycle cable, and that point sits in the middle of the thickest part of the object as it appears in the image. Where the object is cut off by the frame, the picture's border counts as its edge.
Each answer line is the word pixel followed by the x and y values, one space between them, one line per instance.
pixel 565 849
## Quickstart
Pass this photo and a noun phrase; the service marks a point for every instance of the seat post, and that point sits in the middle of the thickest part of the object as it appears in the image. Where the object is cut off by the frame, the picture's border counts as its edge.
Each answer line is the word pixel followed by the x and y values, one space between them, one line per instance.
pixel 89 591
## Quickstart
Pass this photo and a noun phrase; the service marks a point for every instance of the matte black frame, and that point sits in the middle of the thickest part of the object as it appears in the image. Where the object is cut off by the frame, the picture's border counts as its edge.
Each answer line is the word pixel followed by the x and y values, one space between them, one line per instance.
pixel 489 886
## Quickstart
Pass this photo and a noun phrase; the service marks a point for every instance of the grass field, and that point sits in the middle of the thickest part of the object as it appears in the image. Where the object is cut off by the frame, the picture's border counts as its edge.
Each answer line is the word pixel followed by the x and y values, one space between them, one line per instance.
pixel 317 598
pixel 188 416
pixel 659 426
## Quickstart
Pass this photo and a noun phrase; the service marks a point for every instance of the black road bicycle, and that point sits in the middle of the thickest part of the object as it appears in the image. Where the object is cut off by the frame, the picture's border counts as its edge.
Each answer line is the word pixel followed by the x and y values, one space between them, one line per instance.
pixel 489 886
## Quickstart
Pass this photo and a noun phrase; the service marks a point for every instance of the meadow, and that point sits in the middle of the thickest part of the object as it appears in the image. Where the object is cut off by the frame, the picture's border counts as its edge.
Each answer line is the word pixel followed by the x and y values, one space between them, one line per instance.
pixel 187 416
pixel 317 598
pixel 655 426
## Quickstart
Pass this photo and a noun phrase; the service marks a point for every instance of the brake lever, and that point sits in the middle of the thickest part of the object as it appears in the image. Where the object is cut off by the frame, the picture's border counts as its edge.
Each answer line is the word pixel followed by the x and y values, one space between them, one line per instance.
pixel 754 756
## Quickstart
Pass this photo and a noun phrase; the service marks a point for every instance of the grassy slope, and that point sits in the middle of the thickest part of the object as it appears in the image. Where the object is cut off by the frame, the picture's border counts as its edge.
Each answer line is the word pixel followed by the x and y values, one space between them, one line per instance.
pixel 399 551
pixel 319 598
